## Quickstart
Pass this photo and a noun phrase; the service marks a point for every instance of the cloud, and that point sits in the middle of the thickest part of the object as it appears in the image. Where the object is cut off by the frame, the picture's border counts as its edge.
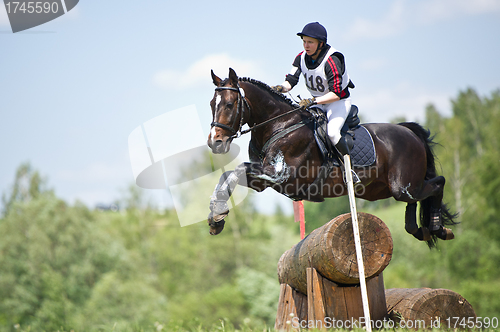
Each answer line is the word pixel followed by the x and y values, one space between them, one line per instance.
pixel 199 72
pixel 435 11
pixel 95 172
pixel 403 100
pixel 387 26
pixel 403 14
pixel 372 64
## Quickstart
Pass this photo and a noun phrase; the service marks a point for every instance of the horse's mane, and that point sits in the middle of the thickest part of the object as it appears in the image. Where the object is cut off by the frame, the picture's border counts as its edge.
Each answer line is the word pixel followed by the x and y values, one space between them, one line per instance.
pixel 266 87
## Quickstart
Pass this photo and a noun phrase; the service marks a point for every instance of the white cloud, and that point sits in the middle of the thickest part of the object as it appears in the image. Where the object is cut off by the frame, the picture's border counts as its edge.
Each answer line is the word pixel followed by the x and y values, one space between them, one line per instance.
pixel 372 64
pixel 403 14
pixel 96 172
pixel 435 11
pixel 389 25
pixel 199 72
pixel 403 100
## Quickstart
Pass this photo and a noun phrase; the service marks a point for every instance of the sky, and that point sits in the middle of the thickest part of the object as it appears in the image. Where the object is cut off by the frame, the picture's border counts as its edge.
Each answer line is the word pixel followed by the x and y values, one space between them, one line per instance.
pixel 74 89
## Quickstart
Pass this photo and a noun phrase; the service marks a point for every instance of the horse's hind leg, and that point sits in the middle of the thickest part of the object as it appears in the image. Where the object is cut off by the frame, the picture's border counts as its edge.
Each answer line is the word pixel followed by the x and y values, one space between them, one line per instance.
pixel 431 198
pixel 420 233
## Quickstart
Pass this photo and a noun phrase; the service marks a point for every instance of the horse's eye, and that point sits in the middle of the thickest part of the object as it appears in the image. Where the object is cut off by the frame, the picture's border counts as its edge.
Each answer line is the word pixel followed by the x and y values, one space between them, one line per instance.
pixel 229 105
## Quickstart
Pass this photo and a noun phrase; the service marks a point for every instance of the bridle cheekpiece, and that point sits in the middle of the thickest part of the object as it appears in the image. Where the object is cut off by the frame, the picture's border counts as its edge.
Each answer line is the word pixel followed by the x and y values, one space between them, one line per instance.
pixel 242 103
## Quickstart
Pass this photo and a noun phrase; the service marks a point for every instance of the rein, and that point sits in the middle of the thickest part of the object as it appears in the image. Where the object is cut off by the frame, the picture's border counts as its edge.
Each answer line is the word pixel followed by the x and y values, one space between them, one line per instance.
pixel 241 110
pixel 270 120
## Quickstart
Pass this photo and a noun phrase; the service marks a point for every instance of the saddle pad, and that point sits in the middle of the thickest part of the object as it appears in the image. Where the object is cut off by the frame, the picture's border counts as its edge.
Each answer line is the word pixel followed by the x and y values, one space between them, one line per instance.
pixel 363 153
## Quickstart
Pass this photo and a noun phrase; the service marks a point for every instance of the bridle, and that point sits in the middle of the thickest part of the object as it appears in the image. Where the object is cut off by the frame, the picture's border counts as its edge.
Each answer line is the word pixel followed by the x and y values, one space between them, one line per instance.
pixel 242 103
pixel 240 111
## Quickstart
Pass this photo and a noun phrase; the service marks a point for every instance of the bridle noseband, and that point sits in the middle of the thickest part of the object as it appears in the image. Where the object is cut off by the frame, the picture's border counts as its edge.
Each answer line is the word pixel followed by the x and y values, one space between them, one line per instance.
pixel 242 103
pixel 240 111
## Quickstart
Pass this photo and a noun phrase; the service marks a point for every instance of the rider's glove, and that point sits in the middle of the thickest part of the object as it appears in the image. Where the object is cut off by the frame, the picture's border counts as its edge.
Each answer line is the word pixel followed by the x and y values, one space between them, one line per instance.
pixel 308 102
pixel 278 88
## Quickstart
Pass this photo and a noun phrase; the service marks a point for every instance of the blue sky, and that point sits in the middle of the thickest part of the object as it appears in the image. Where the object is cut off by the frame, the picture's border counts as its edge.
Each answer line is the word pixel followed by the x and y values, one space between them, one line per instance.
pixel 73 89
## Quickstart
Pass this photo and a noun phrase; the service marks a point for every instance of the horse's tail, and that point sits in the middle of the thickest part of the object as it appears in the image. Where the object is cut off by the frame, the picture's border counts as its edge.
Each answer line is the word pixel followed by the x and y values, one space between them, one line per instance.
pixel 448 218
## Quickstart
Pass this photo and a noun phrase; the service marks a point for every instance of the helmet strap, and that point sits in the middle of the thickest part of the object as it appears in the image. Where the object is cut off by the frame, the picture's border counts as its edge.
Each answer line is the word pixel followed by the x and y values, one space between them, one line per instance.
pixel 320 47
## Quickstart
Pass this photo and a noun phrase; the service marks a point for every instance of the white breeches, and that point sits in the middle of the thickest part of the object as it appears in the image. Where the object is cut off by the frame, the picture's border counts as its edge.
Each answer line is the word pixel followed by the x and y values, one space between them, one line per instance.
pixel 336 113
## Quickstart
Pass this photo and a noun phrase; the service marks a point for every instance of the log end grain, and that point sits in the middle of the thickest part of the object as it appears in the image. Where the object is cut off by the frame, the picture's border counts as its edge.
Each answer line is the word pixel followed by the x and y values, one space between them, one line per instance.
pixel 330 249
pixel 426 305
pixel 376 243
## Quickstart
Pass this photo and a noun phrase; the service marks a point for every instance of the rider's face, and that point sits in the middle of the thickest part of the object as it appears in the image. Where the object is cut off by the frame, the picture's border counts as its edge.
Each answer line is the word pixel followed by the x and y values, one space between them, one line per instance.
pixel 310 45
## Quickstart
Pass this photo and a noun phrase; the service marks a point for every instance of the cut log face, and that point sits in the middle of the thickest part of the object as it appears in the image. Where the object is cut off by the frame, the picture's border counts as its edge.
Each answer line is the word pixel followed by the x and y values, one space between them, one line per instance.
pixel 331 251
pixel 425 307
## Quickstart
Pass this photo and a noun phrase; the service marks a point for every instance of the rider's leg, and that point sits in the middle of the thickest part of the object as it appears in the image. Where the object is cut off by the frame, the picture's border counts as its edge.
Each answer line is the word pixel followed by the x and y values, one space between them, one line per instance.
pixel 336 113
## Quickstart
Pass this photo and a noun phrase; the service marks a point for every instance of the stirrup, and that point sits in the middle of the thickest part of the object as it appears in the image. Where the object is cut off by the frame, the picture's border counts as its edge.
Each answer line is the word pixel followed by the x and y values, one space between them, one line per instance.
pixel 355 177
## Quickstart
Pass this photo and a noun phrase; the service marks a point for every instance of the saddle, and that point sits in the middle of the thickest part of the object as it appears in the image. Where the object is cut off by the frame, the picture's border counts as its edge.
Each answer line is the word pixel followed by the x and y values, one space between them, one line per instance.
pixel 359 140
pixel 320 131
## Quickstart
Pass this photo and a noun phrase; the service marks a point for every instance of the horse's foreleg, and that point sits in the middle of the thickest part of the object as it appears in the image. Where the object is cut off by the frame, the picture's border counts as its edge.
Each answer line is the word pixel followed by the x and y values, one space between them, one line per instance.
pixel 222 192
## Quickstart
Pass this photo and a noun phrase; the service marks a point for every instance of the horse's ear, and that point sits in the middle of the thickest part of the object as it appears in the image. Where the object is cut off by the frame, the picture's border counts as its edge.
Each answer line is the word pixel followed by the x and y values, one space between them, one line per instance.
pixel 233 78
pixel 215 78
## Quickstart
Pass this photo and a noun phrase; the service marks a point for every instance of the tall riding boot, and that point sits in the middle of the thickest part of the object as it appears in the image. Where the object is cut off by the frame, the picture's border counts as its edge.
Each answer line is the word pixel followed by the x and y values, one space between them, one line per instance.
pixel 342 147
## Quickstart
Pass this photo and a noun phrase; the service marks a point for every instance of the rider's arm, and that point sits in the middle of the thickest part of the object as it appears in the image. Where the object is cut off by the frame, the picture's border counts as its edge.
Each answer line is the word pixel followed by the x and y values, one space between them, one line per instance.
pixel 328 98
pixel 293 77
pixel 286 86
pixel 334 68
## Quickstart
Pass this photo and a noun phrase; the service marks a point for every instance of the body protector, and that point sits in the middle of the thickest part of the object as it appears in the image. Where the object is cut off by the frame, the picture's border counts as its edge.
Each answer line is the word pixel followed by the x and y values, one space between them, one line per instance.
pixel 316 80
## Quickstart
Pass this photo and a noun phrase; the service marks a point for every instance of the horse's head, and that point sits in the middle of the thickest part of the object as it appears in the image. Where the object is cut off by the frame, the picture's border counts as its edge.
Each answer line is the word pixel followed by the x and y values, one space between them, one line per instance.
pixel 227 112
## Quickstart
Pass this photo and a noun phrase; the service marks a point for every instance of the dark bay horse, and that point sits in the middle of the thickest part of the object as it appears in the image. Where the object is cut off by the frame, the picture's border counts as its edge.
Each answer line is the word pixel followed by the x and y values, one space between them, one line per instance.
pixel 284 156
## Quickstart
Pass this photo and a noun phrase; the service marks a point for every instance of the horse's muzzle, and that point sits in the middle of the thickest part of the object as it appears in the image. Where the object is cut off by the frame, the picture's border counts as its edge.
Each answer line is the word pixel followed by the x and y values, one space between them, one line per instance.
pixel 220 146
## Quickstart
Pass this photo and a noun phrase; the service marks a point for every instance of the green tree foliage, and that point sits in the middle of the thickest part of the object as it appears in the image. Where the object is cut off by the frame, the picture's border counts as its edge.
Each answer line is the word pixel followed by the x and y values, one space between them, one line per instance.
pixel 67 267
pixel 51 257
pixel 470 159
pixel 318 214
pixel 28 184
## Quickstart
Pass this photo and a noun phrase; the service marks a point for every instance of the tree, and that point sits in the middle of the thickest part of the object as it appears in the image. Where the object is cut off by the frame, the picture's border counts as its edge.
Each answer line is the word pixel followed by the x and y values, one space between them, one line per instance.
pixel 469 155
pixel 28 184
pixel 51 256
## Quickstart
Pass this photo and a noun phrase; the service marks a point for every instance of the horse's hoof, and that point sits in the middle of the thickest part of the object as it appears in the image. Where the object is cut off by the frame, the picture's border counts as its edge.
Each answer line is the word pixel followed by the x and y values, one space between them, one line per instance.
pixel 217 227
pixel 447 234
pixel 216 223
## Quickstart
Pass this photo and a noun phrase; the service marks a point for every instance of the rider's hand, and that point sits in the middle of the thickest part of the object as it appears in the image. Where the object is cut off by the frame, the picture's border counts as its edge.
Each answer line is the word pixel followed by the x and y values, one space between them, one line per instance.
pixel 308 102
pixel 278 88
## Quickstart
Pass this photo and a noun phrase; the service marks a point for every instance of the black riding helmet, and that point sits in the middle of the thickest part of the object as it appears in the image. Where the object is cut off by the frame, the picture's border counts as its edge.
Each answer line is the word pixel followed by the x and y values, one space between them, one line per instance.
pixel 314 30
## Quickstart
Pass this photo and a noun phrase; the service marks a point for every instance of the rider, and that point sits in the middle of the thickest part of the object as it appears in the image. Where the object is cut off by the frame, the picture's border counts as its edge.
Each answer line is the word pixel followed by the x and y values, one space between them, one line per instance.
pixel 326 78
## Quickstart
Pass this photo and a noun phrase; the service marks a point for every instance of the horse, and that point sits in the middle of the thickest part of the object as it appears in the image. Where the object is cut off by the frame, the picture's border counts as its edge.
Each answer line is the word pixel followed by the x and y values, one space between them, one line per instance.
pixel 285 156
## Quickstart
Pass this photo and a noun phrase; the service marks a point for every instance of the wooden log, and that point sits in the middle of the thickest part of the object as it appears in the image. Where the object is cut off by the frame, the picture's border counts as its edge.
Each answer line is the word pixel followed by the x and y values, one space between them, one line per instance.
pixel 292 306
pixel 344 302
pixel 425 307
pixel 330 250
pixel 328 305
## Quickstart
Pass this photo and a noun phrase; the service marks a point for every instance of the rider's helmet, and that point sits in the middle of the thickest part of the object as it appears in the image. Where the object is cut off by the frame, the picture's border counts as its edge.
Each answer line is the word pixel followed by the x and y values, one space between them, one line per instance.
pixel 314 30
